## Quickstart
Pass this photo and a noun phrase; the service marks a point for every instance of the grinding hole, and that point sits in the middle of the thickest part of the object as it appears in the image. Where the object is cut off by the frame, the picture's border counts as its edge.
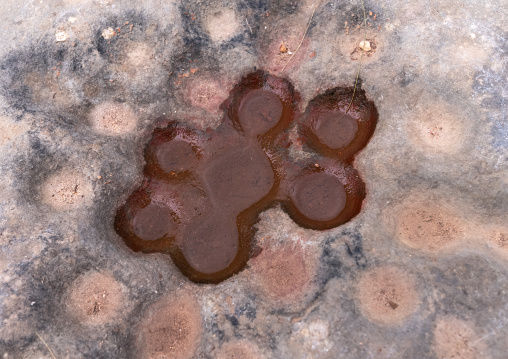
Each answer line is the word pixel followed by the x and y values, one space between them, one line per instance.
pixel 203 191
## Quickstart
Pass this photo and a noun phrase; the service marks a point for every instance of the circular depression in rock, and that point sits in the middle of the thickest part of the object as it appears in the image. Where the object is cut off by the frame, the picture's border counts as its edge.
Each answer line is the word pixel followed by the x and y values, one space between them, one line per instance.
pixel 217 182
pixel 176 156
pixel 222 24
pixel 259 111
pixel 153 222
pixel 335 129
pixel 210 244
pixel 319 196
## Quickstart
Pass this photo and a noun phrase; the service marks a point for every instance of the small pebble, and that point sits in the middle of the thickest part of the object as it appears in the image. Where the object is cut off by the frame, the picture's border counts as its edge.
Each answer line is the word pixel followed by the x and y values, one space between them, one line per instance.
pixel 108 33
pixel 61 36
pixel 365 46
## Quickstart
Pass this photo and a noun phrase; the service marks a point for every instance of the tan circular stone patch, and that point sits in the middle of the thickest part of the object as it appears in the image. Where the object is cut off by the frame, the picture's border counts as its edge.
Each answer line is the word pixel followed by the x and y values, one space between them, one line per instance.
pixel 222 24
pixel 241 349
pixel 457 339
pixel 113 119
pixel 67 189
pixel 386 295
pixel 171 329
pixel 428 226
pixel 96 298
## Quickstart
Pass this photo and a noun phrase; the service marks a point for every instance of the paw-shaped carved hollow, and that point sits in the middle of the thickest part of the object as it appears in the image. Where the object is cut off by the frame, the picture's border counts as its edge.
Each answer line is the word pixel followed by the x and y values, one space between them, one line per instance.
pixel 203 191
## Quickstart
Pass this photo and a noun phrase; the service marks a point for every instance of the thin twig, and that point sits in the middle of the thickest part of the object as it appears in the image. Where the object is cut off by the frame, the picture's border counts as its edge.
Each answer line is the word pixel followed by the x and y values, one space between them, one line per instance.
pixel 247 21
pixel 47 346
pixel 360 64
pixel 307 311
pixel 303 37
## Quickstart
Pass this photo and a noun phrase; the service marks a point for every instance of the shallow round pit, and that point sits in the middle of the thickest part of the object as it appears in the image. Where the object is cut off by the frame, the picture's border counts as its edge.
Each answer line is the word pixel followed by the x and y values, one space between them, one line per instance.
pixel 241 349
pixel 216 183
pixel 335 129
pixel 153 222
pixel 210 244
pixel 239 178
pixel 259 111
pixel 284 274
pixel 176 156
pixel 319 196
